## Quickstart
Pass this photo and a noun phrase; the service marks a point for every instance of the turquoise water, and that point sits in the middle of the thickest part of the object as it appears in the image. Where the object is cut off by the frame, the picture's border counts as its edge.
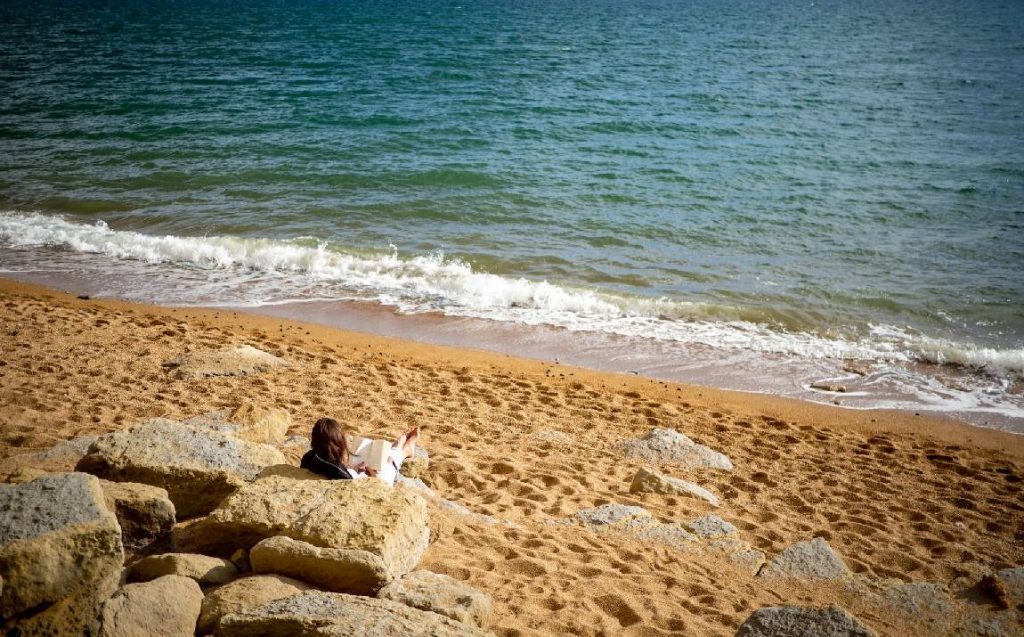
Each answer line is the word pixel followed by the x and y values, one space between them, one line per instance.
pixel 810 180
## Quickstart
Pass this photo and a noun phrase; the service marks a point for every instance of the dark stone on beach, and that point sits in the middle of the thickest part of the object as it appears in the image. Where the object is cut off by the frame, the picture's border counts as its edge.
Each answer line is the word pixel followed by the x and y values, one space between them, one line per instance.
pixel 798 621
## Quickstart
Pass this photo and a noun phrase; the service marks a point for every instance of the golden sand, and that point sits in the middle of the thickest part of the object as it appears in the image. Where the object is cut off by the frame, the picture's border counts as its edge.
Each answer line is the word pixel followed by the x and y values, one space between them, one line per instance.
pixel 899 496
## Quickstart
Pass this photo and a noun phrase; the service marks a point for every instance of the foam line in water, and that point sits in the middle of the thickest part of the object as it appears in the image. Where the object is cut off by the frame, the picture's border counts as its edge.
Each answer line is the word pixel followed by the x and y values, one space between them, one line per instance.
pixel 434 283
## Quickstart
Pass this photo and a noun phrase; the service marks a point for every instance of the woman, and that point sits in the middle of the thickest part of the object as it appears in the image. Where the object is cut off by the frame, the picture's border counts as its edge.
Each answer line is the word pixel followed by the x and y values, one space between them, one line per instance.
pixel 330 454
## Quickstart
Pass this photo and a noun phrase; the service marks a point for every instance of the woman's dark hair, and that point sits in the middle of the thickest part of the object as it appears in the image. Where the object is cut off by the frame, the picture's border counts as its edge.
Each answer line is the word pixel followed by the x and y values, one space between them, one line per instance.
pixel 329 442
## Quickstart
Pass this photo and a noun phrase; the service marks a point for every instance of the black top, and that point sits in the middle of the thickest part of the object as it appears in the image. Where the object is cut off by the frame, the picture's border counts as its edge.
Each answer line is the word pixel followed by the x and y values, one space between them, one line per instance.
pixel 329 470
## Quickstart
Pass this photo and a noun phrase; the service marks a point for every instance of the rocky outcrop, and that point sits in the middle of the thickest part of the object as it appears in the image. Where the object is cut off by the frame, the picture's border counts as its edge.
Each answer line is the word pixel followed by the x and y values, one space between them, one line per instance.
pixel 242 360
pixel 198 466
pixel 341 570
pixel 337 615
pixel 647 481
pixel 798 621
pixel 165 607
pixel 670 446
pixel 363 515
pixel 60 554
pixel 145 513
pixel 813 560
pixel 440 594
pixel 244 594
pixel 205 570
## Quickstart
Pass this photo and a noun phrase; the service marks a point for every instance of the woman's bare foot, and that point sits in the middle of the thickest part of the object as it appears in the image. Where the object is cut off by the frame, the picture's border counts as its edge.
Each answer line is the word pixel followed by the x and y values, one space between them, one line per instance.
pixel 406 443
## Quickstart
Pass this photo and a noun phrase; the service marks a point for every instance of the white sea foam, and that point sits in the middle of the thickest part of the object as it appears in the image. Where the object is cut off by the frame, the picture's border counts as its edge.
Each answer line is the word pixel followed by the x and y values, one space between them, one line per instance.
pixel 433 283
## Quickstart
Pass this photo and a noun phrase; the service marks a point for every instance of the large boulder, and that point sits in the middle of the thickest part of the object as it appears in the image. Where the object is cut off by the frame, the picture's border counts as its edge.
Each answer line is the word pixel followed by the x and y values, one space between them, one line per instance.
pixel 342 570
pixel 242 360
pixel 165 607
pixel 198 466
pixel 60 551
pixel 647 481
pixel 813 560
pixel 799 621
pixel 145 513
pixel 314 613
pixel 205 570
pixel 244 594
pixel 364 515
pixel 668 445
pixel 440 594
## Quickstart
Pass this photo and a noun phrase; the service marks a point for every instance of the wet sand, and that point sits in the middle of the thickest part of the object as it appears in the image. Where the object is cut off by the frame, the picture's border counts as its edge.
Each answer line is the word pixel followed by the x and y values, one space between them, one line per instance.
pixel 899 496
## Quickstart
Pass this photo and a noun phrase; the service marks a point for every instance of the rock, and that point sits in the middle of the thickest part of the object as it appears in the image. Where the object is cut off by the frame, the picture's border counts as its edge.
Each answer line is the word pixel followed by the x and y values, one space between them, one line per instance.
pixel 416 485
pixel 341 570
pixel 244 594
pixel 60 554
pixel 1012 582
pixel 61 457
pixel 827 386
pixel 646 481
pixel 748 559
pixel 203 569
pixel 609 514
pixel 258 424
pixel 145 513
pixel 242 360
pixel 811 560
pixel 711 526
pixel 989 626
pixel 668 445
pixel 797 621
pixel 165 607
pixel 925 601
pixel 672 535
pixel 198 466
pixel 365 515
pixel 338 615
pixel 417 465
pixel 440 594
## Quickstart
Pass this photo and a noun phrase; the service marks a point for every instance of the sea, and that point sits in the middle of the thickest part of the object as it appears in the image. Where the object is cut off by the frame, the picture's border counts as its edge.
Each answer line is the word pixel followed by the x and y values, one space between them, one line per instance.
pixel 753 195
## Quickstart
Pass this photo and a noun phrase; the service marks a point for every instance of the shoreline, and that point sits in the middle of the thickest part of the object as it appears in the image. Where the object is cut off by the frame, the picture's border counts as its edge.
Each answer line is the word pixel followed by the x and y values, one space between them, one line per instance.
pixel 519 448
pixel 688 365
pixel 866 420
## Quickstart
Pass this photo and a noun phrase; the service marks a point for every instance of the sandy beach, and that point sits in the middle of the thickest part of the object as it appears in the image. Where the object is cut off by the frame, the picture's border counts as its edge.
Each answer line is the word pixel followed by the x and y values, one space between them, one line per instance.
pixel 530 443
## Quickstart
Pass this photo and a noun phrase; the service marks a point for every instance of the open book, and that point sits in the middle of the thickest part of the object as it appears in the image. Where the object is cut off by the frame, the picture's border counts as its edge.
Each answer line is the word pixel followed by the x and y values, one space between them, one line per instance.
pixel 375 453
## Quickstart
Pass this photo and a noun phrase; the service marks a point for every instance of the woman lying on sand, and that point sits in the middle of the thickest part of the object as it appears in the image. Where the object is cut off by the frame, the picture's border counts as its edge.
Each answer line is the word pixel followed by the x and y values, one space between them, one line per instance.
pixel 330 454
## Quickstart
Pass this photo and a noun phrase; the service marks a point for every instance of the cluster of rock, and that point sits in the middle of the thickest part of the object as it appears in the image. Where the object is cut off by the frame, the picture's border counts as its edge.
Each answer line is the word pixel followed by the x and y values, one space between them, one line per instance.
pixel 709 535
pixel 808 563
pixel 250 546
